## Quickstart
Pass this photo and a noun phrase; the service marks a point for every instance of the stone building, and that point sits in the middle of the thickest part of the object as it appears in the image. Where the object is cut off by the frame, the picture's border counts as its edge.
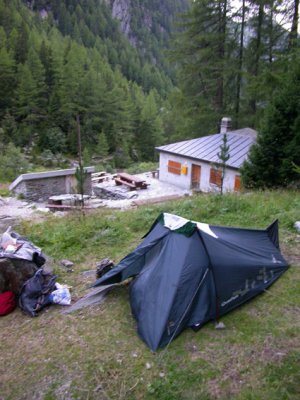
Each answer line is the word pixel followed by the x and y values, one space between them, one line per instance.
pixel 39 186
pixel 194 164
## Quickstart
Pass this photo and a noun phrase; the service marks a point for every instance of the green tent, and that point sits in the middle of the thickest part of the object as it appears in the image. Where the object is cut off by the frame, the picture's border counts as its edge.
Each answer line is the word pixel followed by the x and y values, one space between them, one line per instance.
pixel 187 273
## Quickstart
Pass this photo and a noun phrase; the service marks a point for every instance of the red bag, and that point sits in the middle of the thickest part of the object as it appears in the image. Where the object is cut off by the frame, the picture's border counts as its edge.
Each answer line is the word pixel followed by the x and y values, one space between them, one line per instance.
pixel 7 302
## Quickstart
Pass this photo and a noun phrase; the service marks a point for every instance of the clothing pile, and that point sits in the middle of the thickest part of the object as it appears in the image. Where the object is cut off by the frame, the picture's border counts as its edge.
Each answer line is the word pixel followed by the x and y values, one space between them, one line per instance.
pixel 23 278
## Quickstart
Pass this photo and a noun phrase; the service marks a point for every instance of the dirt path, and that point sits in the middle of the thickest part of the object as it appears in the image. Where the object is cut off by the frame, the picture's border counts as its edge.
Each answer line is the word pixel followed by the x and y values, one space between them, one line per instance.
pixel 12 210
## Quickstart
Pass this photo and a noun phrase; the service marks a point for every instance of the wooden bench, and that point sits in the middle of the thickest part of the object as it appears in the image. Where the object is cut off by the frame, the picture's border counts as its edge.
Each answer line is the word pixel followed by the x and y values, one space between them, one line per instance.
pixel 99 179
pixel 123 182
pixel 96 174
pixel 126 179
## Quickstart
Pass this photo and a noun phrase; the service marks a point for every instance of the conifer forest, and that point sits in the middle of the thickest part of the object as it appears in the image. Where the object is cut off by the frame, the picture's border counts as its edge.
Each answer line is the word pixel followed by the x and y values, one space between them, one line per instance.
pixel 137 74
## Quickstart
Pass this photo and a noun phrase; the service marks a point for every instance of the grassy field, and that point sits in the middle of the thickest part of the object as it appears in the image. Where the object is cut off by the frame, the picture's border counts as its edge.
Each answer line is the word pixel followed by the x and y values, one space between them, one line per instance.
pixel 95 353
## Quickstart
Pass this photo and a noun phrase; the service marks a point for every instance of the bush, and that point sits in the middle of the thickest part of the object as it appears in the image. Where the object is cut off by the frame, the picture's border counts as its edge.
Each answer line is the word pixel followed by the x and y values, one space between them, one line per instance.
pixel 142 167
pixel 54 140
pixel 47 158
pixel 12 163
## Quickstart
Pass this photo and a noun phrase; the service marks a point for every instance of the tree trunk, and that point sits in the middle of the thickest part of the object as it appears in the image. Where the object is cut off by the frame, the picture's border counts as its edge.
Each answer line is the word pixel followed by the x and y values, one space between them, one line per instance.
pixel 257 49
pixel 294 29
pixel 271 32
pixel 221 54
pixel 240 66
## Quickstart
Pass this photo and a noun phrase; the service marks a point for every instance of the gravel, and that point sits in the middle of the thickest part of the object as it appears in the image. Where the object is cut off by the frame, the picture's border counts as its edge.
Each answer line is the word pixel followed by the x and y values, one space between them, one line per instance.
pixel 13 209
pixel 155 189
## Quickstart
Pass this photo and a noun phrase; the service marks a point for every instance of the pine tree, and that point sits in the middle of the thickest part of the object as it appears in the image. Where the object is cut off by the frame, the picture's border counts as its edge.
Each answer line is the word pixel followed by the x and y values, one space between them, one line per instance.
pixel 7 80
pixel 22 45
pixel 278 145
pixel 26 102
pixel 150 134
pixel 240 62
pixel 202 52
pixel 223 156
pixel 264 57
pixel 38 74
pixel 9 128
pixel 293 36
pixel 102 146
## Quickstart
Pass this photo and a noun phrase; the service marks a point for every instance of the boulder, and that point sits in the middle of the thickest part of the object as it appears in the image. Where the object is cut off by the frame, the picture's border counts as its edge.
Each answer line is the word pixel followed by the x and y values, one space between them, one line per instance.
pixel 14 272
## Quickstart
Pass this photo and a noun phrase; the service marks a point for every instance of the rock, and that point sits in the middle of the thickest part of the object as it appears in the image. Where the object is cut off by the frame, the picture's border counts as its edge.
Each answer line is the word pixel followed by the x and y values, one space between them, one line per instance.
pixel 67 264
pixel 14 272
pixel 297 226
pixel 89 273
pixel 220 325
pixel 43 209
pixel 148 365
pixel 110 192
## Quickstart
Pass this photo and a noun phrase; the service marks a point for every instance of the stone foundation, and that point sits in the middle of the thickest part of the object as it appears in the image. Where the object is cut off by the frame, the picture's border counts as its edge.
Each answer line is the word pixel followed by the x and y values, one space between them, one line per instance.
pixel 40 186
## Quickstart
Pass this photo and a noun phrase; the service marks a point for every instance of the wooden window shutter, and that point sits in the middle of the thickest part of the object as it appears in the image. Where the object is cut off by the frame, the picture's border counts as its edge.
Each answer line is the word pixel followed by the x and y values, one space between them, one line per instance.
pixel 215 177
pixel 174 167
pixel 237 183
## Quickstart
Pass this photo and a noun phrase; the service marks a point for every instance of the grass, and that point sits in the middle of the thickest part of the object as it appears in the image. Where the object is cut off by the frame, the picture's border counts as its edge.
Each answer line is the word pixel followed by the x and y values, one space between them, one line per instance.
pixel 4 191
pixel 96 353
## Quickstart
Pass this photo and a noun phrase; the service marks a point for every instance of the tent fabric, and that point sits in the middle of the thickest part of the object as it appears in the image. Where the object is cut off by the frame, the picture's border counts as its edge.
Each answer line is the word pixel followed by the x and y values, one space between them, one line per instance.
pixel 187 273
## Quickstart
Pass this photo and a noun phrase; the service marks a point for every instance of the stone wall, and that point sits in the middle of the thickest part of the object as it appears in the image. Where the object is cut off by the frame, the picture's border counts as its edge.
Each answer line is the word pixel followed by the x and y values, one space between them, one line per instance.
pixel 40 189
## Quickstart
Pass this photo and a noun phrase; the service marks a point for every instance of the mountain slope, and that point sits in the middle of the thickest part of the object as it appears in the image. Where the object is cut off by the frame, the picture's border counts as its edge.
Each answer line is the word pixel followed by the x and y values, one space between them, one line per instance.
pixel 60 60
pixel 146 24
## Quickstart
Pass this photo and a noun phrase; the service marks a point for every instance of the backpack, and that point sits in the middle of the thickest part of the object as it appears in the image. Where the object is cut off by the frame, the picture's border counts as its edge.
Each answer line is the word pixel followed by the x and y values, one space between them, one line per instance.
pixel 35 292
pixel 7 302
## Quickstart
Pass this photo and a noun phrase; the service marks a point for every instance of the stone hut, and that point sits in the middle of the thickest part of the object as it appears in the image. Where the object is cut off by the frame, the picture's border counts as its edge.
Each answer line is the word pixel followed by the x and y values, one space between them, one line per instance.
pixel 40 186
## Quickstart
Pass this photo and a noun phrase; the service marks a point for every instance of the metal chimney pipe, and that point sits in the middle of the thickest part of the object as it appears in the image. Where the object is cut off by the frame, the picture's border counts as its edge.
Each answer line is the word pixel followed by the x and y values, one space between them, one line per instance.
pixel 225 125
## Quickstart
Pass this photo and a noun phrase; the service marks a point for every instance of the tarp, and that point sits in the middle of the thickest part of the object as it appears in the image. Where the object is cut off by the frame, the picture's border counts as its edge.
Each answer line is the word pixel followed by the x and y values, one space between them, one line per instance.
pixel 187 273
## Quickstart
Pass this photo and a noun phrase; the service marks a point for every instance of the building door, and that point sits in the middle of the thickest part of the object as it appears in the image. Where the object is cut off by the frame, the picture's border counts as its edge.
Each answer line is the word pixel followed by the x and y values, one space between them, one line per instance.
pixel 196 174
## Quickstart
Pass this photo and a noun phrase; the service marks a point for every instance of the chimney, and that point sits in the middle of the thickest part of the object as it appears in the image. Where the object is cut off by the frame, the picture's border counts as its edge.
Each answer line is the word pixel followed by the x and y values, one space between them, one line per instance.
pixel 225 125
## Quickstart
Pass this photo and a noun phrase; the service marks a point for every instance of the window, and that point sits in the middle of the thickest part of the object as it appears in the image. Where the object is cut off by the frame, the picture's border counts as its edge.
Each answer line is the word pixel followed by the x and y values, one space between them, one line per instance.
pixel 215 176
pixel 174 167
pixel 237 183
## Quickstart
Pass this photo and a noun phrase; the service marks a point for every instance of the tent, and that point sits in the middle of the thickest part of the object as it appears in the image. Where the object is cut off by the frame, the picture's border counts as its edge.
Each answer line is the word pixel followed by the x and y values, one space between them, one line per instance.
pixel 187 273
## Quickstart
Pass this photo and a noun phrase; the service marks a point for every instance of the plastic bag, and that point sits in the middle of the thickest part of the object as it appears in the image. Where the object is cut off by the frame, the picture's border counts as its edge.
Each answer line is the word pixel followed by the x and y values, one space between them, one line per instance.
pixel 7 242
pixel 61 295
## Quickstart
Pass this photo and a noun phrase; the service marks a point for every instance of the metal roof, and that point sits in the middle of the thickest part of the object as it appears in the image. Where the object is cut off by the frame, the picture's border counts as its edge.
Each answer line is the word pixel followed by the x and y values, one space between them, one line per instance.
pixel 207 148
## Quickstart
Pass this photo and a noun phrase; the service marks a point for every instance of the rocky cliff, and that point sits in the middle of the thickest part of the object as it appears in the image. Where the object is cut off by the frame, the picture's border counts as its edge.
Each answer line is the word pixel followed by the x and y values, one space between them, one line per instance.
pixel 121 11
pixel 140 16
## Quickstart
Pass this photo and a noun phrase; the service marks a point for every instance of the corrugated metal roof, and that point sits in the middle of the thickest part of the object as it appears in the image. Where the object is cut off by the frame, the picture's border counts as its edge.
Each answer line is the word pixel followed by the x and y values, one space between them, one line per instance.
pixel 207 148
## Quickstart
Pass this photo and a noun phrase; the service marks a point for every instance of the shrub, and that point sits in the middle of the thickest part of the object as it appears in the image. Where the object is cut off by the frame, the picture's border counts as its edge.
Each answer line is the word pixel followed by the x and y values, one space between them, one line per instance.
pixel 12 163
pixel 139 168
